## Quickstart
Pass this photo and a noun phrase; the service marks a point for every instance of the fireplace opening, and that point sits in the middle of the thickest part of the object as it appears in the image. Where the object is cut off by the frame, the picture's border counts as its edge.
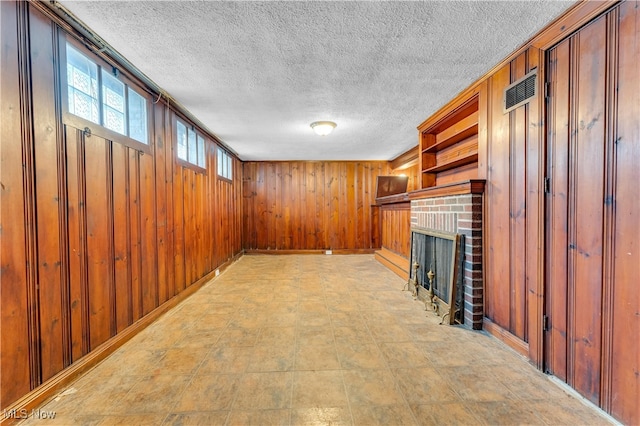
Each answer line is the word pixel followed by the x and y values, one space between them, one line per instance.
pixel 436 272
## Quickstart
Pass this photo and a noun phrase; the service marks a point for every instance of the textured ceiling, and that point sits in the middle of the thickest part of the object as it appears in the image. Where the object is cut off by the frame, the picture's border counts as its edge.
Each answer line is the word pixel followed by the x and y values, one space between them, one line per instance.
pixel 257 74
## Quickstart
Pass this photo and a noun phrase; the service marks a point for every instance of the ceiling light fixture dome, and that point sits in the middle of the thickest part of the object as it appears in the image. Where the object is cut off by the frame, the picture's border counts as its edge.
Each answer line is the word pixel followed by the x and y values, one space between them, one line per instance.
pixel 323 128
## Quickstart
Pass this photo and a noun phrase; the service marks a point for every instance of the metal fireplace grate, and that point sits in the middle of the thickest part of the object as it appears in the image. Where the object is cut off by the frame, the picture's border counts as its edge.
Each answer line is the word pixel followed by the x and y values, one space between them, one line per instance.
pixel 436 271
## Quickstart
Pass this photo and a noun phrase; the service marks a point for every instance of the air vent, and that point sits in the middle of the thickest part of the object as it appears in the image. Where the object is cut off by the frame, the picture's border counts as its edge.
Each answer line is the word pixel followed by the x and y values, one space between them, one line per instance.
pixel 519 92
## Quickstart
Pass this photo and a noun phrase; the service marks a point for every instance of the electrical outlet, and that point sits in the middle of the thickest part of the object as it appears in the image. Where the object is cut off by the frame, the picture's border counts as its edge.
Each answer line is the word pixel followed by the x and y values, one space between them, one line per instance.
pixel 217 272
pixel 328 252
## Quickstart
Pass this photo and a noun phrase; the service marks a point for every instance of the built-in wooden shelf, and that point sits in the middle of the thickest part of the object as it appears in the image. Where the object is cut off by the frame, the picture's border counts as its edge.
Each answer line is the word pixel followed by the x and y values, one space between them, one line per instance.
pixel 452 164
pixel 449 144
pixel 458 132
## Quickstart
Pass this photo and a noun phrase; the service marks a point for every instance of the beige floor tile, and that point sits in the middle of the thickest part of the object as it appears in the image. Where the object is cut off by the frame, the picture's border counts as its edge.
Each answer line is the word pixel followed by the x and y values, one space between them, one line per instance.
pixel 371 387
pixel 272 358
pixel 238 337
pixel 321 416
pixel 151 395
pixel 403 355
pixel 352 335
pixel 358 356
pixel 127 361
pixel 201 418
pixel 424 385
pixel 230 359
pixel 93 400
pixel 568 412
pixel 504 413
pixel 60 419
pixel 318 389
pixel 277 336
pixel 475 384
pixel 389 333
pixel 315 336
pixel 383 415
pixel 133 419
pixel 259 418
pixel 317 357
pixel 180 361
pixel 264 391
pixel 313 319
pixel 347 319
pixel 444 414
pixel 208 393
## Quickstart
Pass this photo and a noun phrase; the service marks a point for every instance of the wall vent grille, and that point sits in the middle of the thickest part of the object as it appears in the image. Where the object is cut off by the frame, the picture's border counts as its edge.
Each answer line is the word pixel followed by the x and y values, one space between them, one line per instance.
pixel 519 92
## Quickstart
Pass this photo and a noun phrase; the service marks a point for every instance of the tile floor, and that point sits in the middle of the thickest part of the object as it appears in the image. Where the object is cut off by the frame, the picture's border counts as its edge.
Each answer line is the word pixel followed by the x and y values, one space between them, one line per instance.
pixel 312 340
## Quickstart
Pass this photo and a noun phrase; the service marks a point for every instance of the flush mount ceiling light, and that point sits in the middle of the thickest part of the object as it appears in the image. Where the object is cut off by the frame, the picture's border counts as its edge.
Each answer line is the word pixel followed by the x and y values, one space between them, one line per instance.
pixel 323 128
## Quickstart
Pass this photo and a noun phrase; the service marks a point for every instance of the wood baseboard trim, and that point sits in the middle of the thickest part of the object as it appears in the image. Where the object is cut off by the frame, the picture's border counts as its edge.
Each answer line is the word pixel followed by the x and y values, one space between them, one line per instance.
pixel 310 251
pixel 509 339
pixel 60 381
pixel 396 263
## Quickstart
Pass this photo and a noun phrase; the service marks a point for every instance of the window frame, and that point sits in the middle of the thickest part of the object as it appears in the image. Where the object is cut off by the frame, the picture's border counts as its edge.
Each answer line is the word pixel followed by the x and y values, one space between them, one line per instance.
pixel 98 129
pixel 199 135
pixel 226 155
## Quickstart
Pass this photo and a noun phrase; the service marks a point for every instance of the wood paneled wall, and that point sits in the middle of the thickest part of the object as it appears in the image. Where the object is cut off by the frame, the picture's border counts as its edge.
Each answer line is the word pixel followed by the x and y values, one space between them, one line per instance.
pixel 95 234
pixel 413 173
pixel 513 202
pixel 299 205
pixel 593 231
pixel 395 222
pixel 568 258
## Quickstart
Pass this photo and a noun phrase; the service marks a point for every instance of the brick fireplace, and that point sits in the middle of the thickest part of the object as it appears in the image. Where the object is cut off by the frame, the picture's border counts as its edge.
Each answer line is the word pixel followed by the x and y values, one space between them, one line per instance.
pixel 462 214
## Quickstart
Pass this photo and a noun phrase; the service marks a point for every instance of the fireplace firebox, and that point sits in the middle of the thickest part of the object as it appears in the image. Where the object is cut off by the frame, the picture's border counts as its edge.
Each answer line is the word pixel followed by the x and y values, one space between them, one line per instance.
pixel 436 272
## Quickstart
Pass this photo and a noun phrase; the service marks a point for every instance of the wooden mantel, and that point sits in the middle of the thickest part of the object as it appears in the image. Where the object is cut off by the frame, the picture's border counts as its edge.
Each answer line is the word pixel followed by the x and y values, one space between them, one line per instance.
pixel 473 186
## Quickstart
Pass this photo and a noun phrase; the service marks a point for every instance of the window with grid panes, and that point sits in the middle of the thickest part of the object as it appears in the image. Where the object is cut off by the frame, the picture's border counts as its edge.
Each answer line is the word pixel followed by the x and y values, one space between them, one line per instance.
pixel 96 94
pixel 225 164
pixel 190 145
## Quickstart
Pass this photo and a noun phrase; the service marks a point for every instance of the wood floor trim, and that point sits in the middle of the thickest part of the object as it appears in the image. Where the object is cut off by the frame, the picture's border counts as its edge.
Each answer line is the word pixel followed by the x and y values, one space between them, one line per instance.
pixel 509 339
pixel 313 251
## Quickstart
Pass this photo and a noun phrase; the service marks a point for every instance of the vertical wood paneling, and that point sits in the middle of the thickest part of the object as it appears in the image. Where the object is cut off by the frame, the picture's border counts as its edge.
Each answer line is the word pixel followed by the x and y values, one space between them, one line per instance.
pixel 624 352
pixel 76 242
pixel 513 231
pixel 178 229
pixel 312 205
pixel 557 237
pixel 396 228
pixel 160 127
pixel 97 223
pixel 121 236
pixel 14 361
pixel 498 288
pixel 48 215
pixel 586 208
pixel 137 256
pixel 322 215
pixel 534 221
pixel 593 210
pixel 517 208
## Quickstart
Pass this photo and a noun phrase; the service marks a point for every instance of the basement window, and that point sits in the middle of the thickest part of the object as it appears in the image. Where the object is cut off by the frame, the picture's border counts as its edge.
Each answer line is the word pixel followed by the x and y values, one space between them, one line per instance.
pixel 225 164
pixel 191 145
pixel 96 94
